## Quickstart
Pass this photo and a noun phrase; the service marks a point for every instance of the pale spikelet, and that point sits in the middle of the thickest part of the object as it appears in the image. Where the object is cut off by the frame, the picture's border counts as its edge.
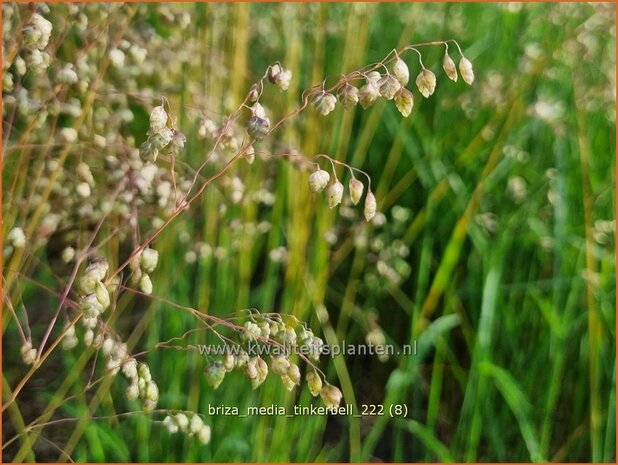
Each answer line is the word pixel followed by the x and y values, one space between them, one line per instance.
pixel 158 119
pixel 258 127
pixel 401 71
pixel 335 194
pixel 348 96
pixel 356 190
pixel 404 102
pixel 426 82
pixel 280 365
pixel 314 382
pixel 370 206
pixel 388 86
pixel 17 238
pixel 149 259
pixel 368 93
pixel 449 67
pixel 283 79
pixel 331 396
pixel 318 180
pixel 215 372
pixel 325 103
pixel 465 68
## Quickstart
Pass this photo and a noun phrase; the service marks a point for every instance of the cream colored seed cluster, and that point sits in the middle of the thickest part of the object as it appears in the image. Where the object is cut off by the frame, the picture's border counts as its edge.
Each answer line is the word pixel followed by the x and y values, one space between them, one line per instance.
pixel 272 329
pixel 391 87
pixel 95 298
pixel 258 125
pixel 188 423
pixel 161 138
pixel 319 179
pixel 141 266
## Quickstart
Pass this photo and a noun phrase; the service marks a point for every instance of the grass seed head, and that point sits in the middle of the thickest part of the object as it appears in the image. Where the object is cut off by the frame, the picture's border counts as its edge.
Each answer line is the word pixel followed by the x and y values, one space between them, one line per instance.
pixel 370 206
pixel 465 68
pixel 335 194
pixel 389 86
pixel 318 180
pixel 426 82
pixel 404 102
pixel 401 71
pixel 348 96
pixel 449 67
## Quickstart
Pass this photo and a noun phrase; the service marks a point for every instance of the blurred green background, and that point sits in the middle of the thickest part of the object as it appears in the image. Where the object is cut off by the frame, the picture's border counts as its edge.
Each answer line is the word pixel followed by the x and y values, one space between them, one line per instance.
pixel 496 256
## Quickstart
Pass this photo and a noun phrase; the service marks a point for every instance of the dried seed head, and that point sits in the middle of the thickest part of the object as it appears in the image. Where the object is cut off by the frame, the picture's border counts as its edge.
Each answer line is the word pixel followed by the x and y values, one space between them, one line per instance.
pixel 143 371
pixel 67 75
pixel 325 103
pixel 314 382
pixel 102 294
pixel 229 361
pixel 401 71
pixel 17 238
pixel 258 110
pixel 145 284
pixel 158 119
pixel 449 67
pixel 149 259
pixel 318 180
pixel 132 391
pixel 181 420
pixel 204 434
pixel 388 86
pixel 273 71
pixel 151 392
pixel 356 190
pixel 178 141
pixel 404 102
pixel 316 348
pixel 129 368
pixel 83 189
pixel 68 135
pixel 465 68
pixel 160 139
pixel 251 331
pixel 68 254
pixel 98 268
pixel 288 383
pixel 251 369
pixel 335 194
pixel 196 424
pixel 368 94
pixel 370 206
pixel 283 79
pixel 294 373
pixel 258 127
pixel 28 354
pixel 215 372
pixel 31 35
pixel 254 94
pixel 348 96
pixel 373 76
pixel 280 365
pixel 426 82
pixel 117 58
pixel 170 425
pixel 331 396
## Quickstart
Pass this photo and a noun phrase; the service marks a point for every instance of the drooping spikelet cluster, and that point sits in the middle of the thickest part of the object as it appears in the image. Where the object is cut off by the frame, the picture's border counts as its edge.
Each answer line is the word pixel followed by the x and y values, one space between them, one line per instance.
pixel 320 178
pixel 279 339
pixel 161 137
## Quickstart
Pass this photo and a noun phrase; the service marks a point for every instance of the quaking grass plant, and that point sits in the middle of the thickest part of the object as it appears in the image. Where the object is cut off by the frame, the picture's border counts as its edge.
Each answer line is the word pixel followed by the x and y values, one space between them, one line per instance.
pixel 82 188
